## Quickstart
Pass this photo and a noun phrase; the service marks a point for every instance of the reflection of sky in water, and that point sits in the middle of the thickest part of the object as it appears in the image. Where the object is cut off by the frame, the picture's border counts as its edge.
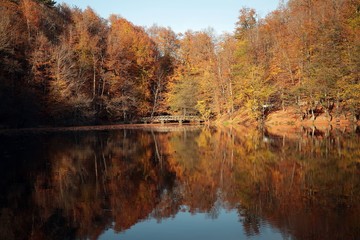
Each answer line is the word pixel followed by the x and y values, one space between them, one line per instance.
pixel 193 226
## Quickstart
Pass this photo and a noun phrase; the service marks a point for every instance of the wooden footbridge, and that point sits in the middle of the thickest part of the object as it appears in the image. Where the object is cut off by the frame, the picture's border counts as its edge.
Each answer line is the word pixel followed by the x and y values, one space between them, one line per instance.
pixel 170 118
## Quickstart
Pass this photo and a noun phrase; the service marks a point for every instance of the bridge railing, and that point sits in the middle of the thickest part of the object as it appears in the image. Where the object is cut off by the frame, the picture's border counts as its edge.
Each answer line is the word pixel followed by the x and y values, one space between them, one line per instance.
pixel 171 118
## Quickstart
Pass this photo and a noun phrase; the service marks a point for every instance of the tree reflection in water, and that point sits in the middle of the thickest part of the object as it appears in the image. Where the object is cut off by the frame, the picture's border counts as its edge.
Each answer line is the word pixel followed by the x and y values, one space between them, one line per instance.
pixel 77 185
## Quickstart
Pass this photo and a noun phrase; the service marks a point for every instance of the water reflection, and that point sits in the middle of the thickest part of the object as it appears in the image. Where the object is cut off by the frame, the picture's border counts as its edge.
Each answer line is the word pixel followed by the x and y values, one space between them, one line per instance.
pixel 255 184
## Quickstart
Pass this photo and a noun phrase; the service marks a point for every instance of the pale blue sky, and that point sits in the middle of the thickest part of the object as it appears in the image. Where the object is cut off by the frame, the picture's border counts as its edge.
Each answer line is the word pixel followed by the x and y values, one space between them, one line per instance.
pixel 180 15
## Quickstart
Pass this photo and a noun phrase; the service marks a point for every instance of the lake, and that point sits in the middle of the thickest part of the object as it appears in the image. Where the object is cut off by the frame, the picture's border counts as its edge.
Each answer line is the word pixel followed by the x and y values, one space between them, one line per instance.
pixel 180 183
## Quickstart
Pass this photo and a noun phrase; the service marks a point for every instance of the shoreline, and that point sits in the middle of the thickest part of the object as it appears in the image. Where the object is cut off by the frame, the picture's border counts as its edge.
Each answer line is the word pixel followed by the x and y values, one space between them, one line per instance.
pixel 50 129
pixel 277 122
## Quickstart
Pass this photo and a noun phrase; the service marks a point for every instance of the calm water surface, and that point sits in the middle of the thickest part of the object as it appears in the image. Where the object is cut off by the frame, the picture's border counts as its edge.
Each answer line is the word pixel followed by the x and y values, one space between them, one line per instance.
pixel 180 183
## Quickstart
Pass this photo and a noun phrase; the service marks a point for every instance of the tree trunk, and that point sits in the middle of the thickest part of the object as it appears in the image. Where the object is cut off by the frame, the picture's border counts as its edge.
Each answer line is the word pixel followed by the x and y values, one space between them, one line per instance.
pixel 231 97
pixel 94 76
pixel 156 95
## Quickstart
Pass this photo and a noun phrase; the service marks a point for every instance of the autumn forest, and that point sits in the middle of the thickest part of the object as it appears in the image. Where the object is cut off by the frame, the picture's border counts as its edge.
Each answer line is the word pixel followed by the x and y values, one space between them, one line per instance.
pixel 66 66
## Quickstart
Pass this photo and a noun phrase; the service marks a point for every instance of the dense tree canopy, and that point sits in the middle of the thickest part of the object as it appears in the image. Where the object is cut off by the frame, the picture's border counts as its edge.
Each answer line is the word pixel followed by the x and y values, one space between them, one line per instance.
pixel 62 65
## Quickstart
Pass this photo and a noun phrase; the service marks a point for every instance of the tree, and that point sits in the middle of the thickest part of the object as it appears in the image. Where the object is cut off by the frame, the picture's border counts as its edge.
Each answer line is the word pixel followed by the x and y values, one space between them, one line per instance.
pixel 253 89
pixel 130 66
pixel 40 61
pixel 167 45
pixel 226 59
pixel 49 3
pixel 68 99
pixel 89 41
pixel 247 20
pixel 19 105
pixel 196 68
pixel 184 96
